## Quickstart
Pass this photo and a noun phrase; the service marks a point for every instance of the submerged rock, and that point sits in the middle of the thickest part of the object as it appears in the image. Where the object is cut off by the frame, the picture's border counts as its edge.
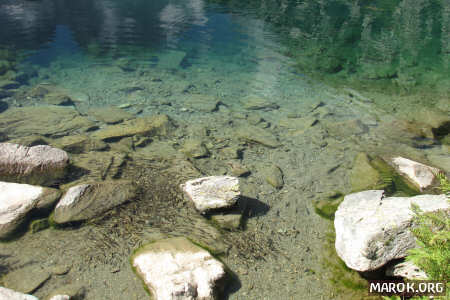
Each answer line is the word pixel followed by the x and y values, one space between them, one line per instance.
pixel 175 268
pixel 41 165
pixel 420 174
pixel 86 201
pixel 363 176
pixel 372 230
pixel 80 143
pixel 18 200
pixel 231 221
pixel 97 167
pixel 212 192
pixel 406 270
pixel 257 135
pixel 202 103
pixel 57 98
pixel 31 140
pixel 237 169
pixel 49 121
pixel 346 129
pixel 194 148
pixel 258 103
pixel 26 279
pixel 110 115
pixel 298 123
pixel 274 176
pixel 8 294
pixel 145 126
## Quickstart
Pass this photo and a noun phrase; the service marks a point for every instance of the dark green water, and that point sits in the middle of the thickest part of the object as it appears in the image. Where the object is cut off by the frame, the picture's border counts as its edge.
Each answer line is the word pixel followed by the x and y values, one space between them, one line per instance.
pixel 403 43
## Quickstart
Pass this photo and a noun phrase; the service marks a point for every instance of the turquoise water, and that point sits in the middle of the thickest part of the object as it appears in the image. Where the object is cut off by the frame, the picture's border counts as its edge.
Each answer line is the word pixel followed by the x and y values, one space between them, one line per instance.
pixel 324 79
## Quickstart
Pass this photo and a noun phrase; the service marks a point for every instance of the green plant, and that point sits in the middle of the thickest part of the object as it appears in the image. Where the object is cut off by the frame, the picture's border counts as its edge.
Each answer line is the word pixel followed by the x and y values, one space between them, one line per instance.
pixel 432 232
pixel 444 183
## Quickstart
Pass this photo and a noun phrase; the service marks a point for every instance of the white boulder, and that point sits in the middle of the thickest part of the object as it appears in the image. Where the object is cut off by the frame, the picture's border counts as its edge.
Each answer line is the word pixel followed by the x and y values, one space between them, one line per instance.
pixel 372 230
pixel 176 269
pixel 212 192
pixel 420 174
pixel 60 297
pixel 17 200
pixel 7 294
pixel 40 165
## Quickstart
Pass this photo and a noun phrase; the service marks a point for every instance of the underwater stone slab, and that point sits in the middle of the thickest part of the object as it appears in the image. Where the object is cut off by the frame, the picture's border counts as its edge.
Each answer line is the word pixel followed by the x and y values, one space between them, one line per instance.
pixel 420 174
pixel 194 148
pixel 49 121
pixel 27 279
pixel 202 103
pixel 110 115
pixel 298 123
pixel 212 192
pixel 258 103
pixel 363 176
pixel 86 201
pixel 175 268
pixel 40 165
pixel 372 230
pixel 257 135
pixel 80 143
pixel 18 200
pixel 145 126
pixel 8 294
pixel 274 176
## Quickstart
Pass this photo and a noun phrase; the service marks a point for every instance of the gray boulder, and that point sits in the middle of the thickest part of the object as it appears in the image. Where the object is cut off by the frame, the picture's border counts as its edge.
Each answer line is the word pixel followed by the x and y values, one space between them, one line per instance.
pixel 40 165
pixel 372 230
pixel 18 200
pixel 212 192
pixel 86 201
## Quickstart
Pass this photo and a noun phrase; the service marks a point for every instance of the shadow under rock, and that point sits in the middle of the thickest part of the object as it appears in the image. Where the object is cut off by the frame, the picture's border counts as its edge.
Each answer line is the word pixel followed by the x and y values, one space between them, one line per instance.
pixel 232 286
pixel 73 173
pixel 253 207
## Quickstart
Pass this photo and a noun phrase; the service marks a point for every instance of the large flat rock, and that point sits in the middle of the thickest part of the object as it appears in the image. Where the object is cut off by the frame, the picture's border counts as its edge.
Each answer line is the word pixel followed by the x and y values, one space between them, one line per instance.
pixel 257 135
pixel 145 126
pixel 86 201
pixel 27 279
pixel 212 192
pixel 40 165
pixel 372 230
pixel 54 121
pixel 175 268
pixel 18 200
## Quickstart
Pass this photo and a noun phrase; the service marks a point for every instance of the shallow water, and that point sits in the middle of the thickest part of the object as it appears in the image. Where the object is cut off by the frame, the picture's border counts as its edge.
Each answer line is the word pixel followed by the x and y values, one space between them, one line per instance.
pixel 156 57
